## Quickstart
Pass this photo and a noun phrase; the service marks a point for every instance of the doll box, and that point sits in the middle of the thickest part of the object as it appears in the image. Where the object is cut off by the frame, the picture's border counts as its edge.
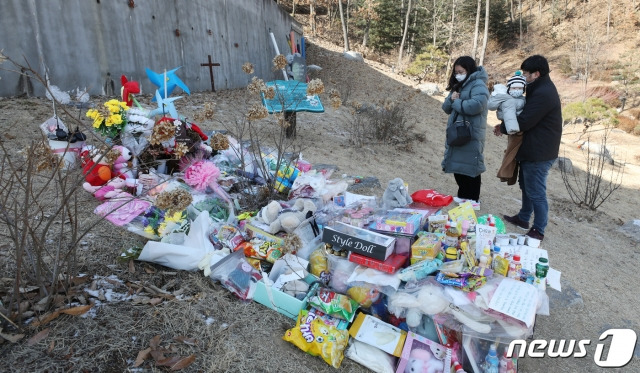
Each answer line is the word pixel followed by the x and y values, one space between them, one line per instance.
pixel 257 230
pixel 280 301
pixel 403 241
pixel 361 241
pixel 436 358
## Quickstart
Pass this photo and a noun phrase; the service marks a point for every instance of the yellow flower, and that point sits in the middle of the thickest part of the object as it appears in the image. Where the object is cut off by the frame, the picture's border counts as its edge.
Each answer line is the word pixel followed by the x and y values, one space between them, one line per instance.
pixel 175 217
pixel 149 229
pixel 97 122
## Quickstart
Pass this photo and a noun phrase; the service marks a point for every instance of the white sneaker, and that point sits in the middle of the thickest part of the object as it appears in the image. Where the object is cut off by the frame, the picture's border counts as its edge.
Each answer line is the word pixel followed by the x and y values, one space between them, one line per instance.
pixel 459 200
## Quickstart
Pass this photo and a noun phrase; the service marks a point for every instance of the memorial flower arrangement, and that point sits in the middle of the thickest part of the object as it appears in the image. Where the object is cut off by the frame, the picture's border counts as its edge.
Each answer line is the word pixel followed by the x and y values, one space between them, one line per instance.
pixel 110 119
pixel 160 223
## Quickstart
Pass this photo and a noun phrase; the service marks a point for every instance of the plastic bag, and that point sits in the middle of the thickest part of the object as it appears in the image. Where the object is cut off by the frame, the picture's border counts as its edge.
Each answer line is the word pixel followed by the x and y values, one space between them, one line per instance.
pixel 237 275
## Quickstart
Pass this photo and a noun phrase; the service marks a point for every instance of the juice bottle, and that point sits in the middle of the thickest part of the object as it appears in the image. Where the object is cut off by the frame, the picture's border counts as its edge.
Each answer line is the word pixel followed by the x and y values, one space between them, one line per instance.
pixel 515 268
pixel 542 267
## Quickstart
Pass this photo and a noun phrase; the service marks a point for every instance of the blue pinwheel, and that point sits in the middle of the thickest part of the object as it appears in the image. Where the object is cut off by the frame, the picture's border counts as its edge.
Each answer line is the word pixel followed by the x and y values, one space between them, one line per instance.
pixel 171 82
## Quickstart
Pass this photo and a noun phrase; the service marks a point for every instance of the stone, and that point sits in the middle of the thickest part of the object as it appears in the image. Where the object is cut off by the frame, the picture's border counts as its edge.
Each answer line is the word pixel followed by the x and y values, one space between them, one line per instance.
pixel 353 56
pixel 563 164
pixel 631 229
pixel 429 88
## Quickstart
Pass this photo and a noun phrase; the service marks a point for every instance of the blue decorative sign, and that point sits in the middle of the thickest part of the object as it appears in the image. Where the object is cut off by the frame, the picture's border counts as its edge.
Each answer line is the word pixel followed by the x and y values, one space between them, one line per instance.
pixel 291 94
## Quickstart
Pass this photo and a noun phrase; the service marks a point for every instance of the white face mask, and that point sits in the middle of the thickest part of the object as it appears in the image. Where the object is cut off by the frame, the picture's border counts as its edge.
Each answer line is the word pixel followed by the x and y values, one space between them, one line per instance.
pixel 460 77
pixel 516 93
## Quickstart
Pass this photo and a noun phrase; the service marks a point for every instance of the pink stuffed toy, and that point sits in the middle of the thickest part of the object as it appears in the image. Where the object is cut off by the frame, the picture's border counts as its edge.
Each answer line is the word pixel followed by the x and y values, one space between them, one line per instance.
pixel 422 361
pixel 121 164
pixel 113 188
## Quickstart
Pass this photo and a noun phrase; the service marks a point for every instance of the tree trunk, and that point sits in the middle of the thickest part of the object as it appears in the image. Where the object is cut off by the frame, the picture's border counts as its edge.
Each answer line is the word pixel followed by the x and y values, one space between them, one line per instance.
pixel 450 40
pixel 404 34
pixel 474 51
pixel 365 37
pixel 435 27
pixel 410 50
pixel 511 17
pixel 347 16
pixel 520 19
pixel 486 33
pixel 312 16
pixel 344 27
pixel 608 17
pixel 293 9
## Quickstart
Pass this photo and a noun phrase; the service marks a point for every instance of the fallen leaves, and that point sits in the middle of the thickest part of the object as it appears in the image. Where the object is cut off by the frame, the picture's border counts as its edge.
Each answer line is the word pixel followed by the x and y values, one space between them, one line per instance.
pixel 13 338
pixel 73 311
pixel 159 354
pixel 38 337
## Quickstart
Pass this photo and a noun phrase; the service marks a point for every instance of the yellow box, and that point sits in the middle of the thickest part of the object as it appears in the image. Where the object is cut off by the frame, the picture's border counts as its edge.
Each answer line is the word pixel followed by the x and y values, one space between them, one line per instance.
pixel 426 247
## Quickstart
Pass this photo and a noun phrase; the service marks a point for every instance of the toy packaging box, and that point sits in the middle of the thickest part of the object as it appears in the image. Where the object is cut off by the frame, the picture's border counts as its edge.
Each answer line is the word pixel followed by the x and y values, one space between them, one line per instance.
pixel 377 333
pixel 426 247
pixel 477 355
pixel 361 241
pixel 423 355
pixel 268 294
pixel 399 222
pixel 391 265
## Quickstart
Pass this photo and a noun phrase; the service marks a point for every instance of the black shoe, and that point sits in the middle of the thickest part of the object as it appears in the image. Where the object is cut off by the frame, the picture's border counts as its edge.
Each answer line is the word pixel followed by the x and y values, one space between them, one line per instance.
pixel 515 220
pixel 533 233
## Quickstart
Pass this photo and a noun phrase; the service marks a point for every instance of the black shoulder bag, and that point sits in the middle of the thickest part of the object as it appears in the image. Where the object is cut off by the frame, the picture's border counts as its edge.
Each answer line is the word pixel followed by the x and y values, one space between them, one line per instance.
pixel 459 133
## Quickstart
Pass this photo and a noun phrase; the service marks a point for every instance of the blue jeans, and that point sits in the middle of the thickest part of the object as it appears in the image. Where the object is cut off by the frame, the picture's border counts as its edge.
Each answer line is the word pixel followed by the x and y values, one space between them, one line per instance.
pixel 533 183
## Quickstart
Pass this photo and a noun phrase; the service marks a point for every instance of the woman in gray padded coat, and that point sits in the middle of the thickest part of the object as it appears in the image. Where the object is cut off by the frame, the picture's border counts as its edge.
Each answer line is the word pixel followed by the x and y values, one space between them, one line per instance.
pixel 467 98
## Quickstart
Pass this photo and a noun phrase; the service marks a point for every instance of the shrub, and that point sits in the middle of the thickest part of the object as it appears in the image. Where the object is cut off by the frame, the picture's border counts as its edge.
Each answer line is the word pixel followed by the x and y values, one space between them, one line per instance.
pixel 592 110
pixel 429 64
pixel 627 124
pixel 609 95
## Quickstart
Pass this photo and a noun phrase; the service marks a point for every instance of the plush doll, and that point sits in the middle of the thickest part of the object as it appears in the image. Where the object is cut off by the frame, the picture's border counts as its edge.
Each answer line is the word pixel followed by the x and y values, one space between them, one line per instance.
pixel 422 361
pixel 291 219
pixel 129 88
pixel 95 169
pixel 269 215
pixel 111 189
pixel 121 164
pixel 432 301
pixel 395 195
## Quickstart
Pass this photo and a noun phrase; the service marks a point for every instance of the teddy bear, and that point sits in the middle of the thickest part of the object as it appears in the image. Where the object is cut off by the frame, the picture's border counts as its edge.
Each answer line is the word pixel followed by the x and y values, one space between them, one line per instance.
pixel 423 361
pixel 430 300
pixel 269 215
pixel 395 195
pixel 302 209
pixel 279 219
pixel 95 169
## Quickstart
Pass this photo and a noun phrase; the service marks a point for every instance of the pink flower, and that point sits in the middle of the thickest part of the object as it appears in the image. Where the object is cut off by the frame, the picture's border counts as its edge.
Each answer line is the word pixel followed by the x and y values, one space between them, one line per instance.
pixel 201 174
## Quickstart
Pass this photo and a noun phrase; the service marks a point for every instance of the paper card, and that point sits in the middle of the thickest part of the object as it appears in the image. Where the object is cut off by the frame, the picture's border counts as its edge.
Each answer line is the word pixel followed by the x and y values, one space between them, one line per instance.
pixel 553 279
pixel 529 256
pixel 516 299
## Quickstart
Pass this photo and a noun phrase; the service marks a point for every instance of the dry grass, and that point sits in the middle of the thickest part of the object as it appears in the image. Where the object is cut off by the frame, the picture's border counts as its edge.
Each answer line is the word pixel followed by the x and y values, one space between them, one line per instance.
pixel 231 335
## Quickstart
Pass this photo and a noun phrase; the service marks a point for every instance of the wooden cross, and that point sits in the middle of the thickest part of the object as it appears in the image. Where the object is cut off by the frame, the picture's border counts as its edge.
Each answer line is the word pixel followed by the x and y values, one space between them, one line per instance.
pixel 211 65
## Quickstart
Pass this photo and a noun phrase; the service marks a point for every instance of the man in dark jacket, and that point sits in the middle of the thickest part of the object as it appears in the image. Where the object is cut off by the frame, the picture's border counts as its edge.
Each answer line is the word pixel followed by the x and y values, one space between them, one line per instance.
pixel 541 123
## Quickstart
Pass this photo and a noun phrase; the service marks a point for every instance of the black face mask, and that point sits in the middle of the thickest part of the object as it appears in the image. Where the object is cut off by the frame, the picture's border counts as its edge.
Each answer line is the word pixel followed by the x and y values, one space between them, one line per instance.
pixel 77 136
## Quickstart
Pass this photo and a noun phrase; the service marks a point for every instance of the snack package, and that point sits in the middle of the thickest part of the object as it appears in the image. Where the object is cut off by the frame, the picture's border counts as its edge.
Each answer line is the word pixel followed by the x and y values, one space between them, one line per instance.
pixel 319 264
pixel 316 338
pixel 334 304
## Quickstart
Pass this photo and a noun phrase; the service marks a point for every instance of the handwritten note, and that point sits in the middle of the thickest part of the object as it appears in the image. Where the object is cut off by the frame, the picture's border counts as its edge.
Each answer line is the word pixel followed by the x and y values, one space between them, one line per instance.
pixel 516 299
pixel 529 256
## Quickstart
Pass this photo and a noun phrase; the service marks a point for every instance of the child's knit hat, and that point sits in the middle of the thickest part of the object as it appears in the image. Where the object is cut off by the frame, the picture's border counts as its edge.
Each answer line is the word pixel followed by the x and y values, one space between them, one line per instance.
pixel 517 80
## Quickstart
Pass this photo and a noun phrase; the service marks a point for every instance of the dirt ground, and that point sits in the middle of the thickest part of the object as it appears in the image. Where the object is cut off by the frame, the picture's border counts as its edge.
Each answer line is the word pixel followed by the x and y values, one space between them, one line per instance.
pixel 598 263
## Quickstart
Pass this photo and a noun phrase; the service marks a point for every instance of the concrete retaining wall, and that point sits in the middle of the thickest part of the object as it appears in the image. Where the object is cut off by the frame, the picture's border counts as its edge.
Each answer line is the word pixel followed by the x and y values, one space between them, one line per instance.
pixel 80 41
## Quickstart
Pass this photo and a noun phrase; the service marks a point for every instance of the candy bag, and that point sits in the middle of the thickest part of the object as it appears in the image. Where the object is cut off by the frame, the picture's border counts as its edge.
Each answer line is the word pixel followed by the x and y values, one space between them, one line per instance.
pixel 316 338
pixel 334 304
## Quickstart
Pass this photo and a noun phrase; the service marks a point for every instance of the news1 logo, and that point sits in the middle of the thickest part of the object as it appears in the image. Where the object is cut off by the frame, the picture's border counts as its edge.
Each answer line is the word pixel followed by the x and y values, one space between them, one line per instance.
pixel 622 344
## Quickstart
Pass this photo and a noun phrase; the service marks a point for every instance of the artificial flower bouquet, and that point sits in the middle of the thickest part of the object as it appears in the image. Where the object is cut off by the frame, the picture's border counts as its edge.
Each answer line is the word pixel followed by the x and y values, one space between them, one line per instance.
pixel 110 119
